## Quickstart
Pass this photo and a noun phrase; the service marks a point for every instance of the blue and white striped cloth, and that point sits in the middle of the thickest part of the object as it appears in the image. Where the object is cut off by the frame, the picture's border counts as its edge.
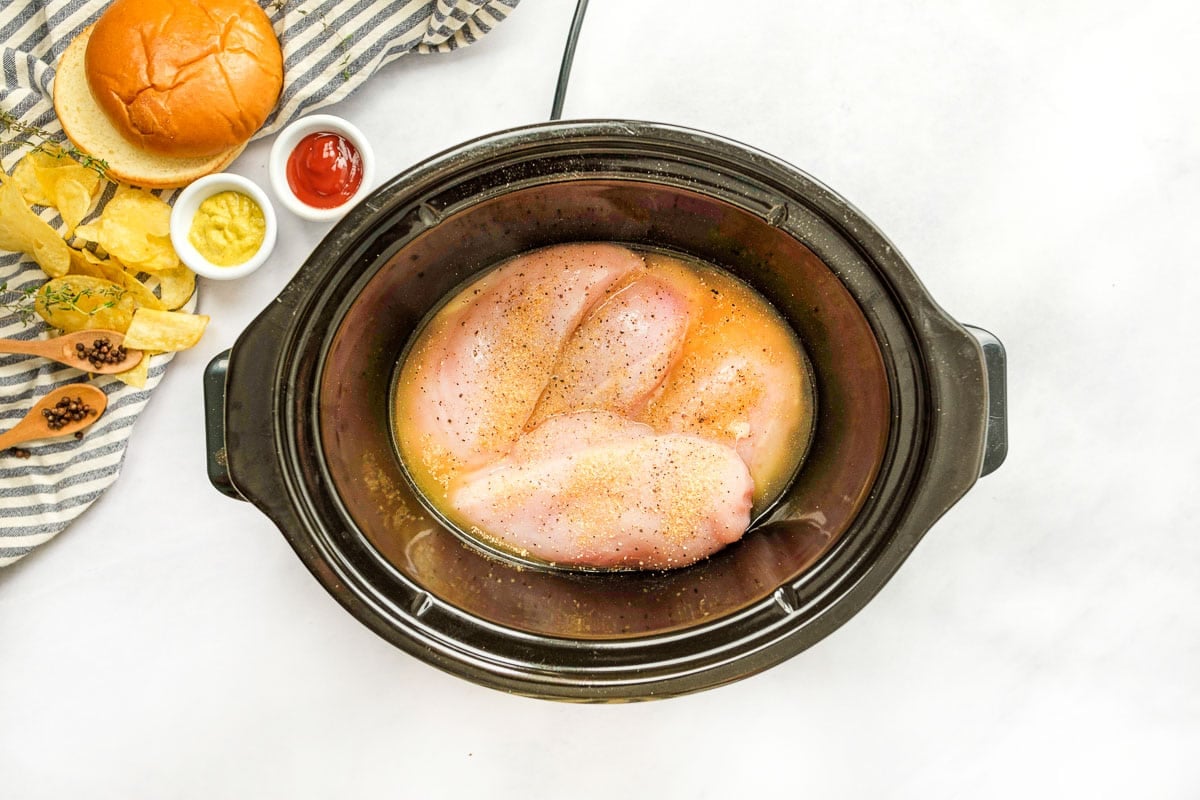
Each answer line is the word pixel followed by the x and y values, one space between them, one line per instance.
pixel 330 47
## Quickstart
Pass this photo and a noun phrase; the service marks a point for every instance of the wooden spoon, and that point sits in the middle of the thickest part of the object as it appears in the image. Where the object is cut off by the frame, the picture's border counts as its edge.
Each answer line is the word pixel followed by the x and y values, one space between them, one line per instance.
pixel 62 349
pixel 34 424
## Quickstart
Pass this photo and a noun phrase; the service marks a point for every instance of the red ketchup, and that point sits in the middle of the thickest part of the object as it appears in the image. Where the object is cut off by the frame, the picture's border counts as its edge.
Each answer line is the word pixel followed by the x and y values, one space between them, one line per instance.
pixel 324 170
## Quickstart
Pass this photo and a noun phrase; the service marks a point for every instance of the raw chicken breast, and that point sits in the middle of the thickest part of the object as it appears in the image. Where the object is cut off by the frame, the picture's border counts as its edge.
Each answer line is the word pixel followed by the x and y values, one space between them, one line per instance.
pixel 595 489
pixel 741 395
pixel 586 405
pixel 740 378
pixel 471 389
pixel 620 353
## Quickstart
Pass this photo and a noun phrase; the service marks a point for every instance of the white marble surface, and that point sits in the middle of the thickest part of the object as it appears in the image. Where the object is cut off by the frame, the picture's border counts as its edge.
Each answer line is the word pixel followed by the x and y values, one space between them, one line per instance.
pixel 1039 165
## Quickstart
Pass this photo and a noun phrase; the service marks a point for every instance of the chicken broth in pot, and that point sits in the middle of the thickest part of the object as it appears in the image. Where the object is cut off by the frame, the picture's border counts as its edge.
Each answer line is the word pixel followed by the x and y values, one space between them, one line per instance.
pixel 598 406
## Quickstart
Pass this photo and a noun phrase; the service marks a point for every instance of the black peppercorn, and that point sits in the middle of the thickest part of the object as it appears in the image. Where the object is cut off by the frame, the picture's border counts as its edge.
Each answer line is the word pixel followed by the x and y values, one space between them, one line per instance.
pixel 101 352
pixel 67 410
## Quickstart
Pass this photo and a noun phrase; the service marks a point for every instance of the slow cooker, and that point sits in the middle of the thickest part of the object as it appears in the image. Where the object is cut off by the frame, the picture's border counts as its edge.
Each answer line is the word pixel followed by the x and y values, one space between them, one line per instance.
pixel 910 412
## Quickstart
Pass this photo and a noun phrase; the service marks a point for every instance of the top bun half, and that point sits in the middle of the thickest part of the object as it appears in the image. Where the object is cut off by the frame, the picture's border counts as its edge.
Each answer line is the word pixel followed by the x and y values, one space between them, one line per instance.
pixel 185 78
pixel 88 129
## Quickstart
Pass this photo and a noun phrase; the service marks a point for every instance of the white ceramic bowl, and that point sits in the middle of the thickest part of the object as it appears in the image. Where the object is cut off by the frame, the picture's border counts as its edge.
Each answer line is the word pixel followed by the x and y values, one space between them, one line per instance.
pixel 286 142
pixel 185 208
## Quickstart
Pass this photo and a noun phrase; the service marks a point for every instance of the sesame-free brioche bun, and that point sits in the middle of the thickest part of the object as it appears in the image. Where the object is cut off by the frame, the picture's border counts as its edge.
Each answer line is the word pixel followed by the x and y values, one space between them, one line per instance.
pixel 168 91
pixel 185 78
pixel 89 129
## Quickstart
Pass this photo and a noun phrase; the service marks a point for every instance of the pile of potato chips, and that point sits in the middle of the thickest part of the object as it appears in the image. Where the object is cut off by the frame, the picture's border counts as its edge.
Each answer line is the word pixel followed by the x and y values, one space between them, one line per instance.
pixel 99 283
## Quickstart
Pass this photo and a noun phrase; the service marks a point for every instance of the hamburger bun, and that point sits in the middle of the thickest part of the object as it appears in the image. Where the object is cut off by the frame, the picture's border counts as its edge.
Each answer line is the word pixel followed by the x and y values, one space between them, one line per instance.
pixel 89 129
pixel 167 91
pixel 185 78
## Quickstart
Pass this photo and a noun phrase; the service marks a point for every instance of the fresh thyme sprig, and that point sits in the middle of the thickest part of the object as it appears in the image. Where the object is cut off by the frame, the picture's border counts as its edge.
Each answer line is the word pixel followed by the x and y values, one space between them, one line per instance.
pixel 342 47
pixel 67 297
pixel 23 302
pixel 18 301
pixel 41 141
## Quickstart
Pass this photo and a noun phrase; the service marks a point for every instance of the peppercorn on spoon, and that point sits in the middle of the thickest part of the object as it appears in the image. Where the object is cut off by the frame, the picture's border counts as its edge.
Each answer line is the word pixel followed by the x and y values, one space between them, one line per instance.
pixel 89 403
pixel 92 351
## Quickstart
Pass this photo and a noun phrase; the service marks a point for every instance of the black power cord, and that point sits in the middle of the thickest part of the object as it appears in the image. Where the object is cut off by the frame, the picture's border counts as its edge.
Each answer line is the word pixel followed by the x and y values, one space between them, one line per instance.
pixel 564 71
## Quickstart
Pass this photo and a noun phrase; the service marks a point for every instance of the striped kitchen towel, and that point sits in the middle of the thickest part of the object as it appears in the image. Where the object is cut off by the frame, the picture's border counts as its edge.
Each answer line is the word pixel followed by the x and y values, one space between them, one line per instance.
pixel 330 48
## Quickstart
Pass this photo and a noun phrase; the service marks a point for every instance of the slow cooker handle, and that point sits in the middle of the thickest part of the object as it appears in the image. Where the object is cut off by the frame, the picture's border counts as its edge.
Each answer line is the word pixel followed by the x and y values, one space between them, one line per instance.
pixel 995 372
pixel 214 425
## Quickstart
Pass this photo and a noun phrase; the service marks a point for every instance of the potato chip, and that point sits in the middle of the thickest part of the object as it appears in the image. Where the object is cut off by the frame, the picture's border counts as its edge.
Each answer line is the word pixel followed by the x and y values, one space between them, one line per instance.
pixel 113 270
pixel 176 287
pixel 134 227
pixel 91 232
pixel 29 178
pixel 164 331
pixel 137 375
pixel 23 231
pixel 57 181
pixel 73 200
pixel 146 212
pixel 85 262
pixel 142 294
pixel 82 302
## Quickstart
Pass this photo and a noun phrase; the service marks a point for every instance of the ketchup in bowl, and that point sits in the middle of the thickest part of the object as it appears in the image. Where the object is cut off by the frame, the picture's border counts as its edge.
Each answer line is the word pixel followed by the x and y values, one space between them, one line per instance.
pixel 324 170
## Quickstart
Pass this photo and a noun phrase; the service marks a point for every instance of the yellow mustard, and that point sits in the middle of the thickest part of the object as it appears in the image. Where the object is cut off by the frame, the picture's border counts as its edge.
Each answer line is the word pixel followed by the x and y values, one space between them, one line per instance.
pixel 228 228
